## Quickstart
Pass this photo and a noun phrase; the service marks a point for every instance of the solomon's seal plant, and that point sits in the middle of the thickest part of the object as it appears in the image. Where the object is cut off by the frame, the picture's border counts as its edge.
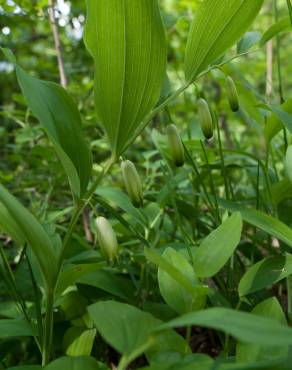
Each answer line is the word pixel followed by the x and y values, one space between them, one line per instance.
pixel 189 267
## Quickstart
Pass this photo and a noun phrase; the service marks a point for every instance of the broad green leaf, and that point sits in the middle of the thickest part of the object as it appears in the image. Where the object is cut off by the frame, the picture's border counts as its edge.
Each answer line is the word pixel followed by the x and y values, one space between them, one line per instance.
pixel 9 226
pixel 246 327
pixel 78 341
pixel 34 234
pixel 249 39
pixel 128 329
pixel 276 121
pixel 126 38
pixel 217 25
pixel 72 273
pixel 75 363
pixel 218 247
pixel 265 222
pixel 282 25
pixel 271 309
pixel 281 190
pixel 175 361
pixel 15 328
pixel 265 273
pixel 174 294
pixel 118 286
pixel 60 118
pixel 174 272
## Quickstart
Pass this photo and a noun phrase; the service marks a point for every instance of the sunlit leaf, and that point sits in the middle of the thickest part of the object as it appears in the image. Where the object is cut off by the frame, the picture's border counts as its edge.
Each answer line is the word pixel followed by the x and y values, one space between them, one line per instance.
pixel 217 25
pixel 127 41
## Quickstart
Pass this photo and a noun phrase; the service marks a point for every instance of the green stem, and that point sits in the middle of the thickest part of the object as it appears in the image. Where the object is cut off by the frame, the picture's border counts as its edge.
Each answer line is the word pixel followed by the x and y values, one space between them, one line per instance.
pixel 279 69
pixel 48 324
pixel 48 328
pixel 212 183
pixel 207 199
pixel 80 206
pixel 10 281
pixel 290 9
pixel 188 338
pixel 223 168
pixel 127 359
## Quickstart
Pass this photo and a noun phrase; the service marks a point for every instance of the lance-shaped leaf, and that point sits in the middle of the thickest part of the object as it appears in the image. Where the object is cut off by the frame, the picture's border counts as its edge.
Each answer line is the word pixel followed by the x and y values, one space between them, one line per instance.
pixel 217 25
pixel 127 41
pixel 59 116
pixel 271 309
pixel 246 327
pixel 33 233
pixel 218 247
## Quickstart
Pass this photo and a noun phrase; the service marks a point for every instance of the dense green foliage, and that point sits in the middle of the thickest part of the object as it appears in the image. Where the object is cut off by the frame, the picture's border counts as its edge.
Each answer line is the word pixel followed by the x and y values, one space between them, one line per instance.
pixel 145 184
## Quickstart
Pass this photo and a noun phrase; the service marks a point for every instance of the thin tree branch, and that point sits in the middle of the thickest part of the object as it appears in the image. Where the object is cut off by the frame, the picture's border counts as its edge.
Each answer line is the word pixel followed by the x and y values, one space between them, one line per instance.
pixel 58 48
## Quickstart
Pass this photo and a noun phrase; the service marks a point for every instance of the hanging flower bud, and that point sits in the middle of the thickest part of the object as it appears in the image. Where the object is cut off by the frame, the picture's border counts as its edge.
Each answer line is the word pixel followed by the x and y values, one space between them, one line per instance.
pixel 132 182
pixel 288 162
pixel 175 145
pixel 106 238
pixel 232 94
pixel 205 118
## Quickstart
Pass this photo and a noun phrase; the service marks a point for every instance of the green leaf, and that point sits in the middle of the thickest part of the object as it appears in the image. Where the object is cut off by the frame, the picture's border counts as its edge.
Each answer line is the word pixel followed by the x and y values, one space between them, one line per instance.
pixel 265 273
pixel 276 121
pixel 34 234
pixel 118 286
pixel 246 327
pixel 9 226
pixel 281 190
pixel 218 247
pixel 173 272
pixel 79 342
pixel 60 118
pixel 288 163
pixel 129 330
pixel 282 25
pixel 267 223
pixel 174 294
pixel 249 40
pixel 118 198
pixel 14 328
pixel 75 363
pixel 270 309
pixel 127 41
pixel 72 273
pixel 217 25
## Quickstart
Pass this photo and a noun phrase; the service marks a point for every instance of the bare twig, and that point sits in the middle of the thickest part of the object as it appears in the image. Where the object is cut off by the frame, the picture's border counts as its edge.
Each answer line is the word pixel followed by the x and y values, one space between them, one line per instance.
pixel 85 217
pixel 58 48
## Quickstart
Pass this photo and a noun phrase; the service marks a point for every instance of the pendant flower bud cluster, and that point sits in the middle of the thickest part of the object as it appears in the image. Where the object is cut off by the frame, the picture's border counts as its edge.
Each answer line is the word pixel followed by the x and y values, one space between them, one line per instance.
pixel 132 183
pixel 232 94
pixel 175 145
pixel 106 238
pixel 206 119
